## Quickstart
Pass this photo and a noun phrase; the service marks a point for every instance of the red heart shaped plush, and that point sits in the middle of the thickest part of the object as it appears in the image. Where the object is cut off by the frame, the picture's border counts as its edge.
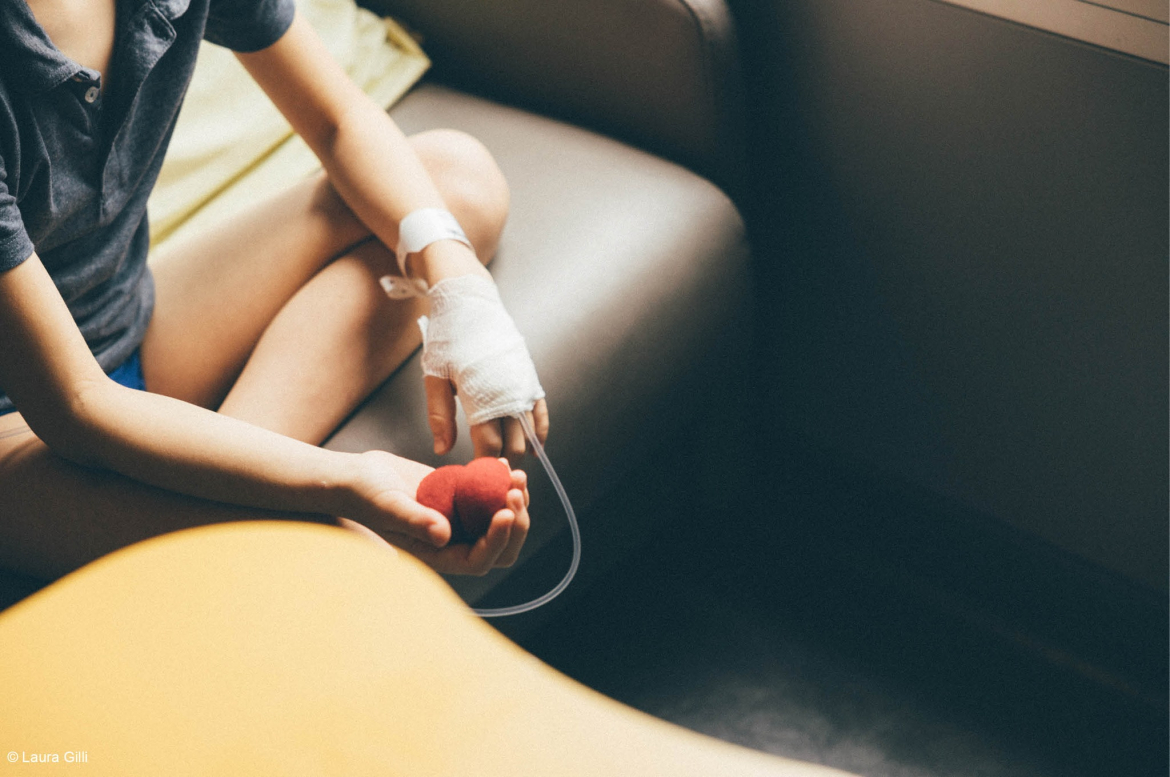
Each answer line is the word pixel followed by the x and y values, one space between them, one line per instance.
pixel 468 496
pixel 480 492
pixel 437 490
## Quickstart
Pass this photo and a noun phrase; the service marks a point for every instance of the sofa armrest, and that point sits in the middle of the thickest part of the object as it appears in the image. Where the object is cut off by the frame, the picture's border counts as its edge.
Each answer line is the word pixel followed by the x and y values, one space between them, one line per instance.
pixel 662 74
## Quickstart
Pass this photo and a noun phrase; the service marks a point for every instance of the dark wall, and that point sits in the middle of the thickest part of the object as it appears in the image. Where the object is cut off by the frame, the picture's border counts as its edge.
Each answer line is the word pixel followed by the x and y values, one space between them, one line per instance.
pixel 961 225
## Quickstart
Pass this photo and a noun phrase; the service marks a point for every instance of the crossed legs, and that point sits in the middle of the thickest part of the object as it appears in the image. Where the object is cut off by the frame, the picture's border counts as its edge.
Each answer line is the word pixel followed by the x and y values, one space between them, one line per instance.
pixel 276 319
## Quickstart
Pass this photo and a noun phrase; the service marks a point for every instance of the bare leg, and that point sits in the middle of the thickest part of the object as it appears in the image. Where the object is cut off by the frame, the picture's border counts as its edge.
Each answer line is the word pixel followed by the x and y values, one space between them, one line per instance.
pixel 58 516
pixel 248 321
pixel 279 319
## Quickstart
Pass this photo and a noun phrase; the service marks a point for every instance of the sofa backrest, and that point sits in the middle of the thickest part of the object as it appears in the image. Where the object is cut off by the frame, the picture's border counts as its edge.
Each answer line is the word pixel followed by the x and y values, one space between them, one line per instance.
pixel 662 74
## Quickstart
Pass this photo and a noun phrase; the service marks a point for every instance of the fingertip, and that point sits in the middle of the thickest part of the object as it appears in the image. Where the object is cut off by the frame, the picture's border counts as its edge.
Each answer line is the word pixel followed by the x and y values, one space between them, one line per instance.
pixel 519 479
pixel 501 528
pixel 442 434
pixel 439 532
pixel 540 416
pixel 488 547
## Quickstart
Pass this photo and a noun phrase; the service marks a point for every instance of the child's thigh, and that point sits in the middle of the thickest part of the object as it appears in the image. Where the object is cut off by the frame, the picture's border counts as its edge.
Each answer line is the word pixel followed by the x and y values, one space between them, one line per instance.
pixel 56 516
pixel 217 292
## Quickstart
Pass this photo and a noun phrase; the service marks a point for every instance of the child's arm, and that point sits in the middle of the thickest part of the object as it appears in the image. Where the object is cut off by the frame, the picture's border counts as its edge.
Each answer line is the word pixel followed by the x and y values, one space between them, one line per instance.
pixel 50 374
pixel 371 164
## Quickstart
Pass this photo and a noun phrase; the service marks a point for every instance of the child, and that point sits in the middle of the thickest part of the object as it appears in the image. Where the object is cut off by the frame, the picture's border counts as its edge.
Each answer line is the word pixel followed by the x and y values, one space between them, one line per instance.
pixel 277 322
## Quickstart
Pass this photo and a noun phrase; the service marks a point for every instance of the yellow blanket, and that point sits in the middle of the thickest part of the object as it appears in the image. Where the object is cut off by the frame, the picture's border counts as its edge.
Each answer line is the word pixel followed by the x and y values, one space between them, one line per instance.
pixel 232 146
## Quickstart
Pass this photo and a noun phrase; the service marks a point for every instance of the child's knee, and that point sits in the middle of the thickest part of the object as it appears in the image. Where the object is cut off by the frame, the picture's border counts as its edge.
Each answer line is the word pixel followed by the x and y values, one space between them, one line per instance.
pixel 471 183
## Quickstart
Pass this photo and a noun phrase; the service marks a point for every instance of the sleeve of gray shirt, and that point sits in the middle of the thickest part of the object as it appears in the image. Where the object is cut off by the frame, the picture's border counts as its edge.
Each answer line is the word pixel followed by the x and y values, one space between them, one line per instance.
pixel 248 25
pixel 15 245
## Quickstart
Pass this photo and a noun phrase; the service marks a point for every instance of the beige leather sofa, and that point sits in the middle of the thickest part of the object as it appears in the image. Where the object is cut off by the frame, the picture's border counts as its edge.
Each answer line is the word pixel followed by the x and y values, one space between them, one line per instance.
pixel 626 272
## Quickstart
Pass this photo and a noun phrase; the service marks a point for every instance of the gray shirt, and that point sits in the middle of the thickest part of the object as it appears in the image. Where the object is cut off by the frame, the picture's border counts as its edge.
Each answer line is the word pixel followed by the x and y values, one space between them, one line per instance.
pixel 79 158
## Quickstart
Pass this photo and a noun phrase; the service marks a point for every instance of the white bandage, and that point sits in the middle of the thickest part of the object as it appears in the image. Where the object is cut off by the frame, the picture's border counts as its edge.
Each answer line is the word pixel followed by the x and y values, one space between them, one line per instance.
pixel 471 340
pixel 416 231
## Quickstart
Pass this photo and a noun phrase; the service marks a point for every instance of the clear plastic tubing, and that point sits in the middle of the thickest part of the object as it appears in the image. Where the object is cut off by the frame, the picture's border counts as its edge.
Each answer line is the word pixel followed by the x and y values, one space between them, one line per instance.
pixel 497 612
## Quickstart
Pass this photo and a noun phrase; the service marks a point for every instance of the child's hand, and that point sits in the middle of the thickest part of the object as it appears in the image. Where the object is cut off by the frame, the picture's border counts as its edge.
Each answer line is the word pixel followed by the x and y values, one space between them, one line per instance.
pixel 504 436
pixel 471 346
pixel 387 486
pixel 498 437
pixel 499 547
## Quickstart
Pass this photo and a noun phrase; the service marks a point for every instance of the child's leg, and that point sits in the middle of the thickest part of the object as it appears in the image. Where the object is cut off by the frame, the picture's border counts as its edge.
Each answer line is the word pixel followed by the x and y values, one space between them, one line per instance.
pixel 262 318
pixel 314 342
pixel 56 515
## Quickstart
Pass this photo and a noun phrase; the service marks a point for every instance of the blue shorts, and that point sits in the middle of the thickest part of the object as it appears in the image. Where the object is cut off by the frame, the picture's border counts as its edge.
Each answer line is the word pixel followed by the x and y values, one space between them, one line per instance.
pixel 128 373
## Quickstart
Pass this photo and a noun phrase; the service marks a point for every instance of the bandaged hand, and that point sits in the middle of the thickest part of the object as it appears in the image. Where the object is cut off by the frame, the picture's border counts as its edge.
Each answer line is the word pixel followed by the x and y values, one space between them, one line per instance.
pixel 471 347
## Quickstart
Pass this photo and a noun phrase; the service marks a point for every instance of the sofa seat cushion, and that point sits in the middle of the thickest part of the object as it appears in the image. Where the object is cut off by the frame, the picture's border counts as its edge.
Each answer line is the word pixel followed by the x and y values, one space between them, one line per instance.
pixel 625 273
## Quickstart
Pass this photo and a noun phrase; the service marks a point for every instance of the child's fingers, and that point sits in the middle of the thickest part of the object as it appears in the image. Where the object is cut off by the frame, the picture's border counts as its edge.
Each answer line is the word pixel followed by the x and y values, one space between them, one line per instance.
pixel 407 517
pixel 487 549
pixel 487 439
pixel 514 443
pixel 505 436
pixel 440 412
pixel 520 482
pixel 540 420
pixel 519 533
pixel 463 559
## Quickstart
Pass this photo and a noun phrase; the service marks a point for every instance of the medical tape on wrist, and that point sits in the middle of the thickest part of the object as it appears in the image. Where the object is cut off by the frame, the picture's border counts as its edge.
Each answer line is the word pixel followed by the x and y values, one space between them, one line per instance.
pixel 470 339
pixel 416 231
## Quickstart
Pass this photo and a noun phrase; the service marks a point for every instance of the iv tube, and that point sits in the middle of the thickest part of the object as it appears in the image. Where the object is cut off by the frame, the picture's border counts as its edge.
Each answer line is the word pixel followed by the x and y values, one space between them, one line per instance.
pixel 497 612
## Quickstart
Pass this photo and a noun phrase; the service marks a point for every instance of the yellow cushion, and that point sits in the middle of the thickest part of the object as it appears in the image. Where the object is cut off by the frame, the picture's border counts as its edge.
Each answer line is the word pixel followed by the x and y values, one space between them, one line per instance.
pixel 296 649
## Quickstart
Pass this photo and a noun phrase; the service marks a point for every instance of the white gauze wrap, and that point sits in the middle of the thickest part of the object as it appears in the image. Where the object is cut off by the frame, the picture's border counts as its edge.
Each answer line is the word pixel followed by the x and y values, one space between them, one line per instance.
pixel 471 340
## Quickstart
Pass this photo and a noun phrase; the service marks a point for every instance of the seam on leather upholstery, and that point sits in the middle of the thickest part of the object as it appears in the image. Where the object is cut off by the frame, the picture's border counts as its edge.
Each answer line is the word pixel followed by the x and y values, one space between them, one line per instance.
pixel 706 48
pixel 717 43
